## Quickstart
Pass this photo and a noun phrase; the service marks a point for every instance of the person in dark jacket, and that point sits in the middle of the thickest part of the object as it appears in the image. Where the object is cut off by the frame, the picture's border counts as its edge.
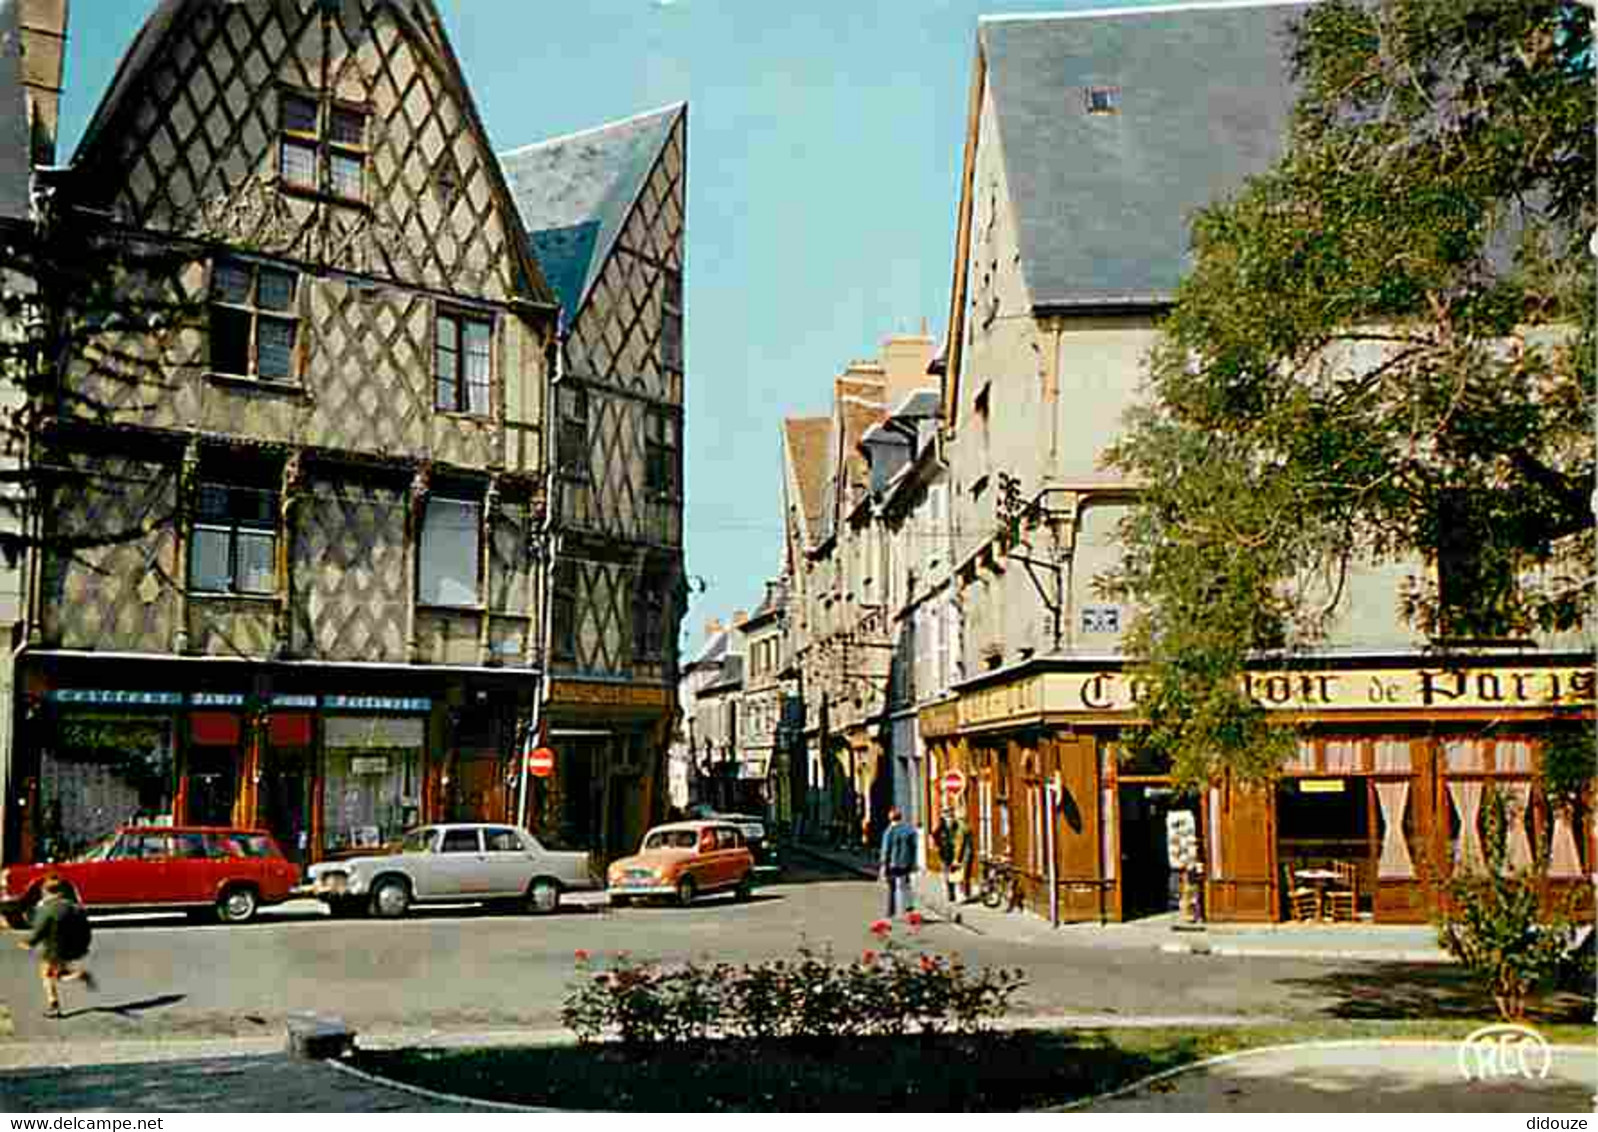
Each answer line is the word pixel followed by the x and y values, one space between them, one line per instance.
pixel 899 863
pixel 60 932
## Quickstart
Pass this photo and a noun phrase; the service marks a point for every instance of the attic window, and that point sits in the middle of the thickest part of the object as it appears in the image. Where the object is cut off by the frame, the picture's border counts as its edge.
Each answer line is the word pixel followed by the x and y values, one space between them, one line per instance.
pixel 1103 99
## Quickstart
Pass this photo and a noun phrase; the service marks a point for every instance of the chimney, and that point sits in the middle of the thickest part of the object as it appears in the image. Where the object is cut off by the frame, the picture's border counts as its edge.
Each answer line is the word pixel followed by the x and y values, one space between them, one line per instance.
pixel 43 27
pixel 739 616
pixel 905 358
pixel 712 627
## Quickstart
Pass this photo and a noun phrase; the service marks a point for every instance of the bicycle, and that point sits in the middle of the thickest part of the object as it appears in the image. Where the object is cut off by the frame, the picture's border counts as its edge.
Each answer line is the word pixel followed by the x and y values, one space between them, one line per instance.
pixel 1001 884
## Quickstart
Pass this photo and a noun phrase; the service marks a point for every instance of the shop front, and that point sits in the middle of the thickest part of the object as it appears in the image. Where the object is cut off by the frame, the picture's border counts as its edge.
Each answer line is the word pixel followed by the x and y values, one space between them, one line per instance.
pixel 1395 768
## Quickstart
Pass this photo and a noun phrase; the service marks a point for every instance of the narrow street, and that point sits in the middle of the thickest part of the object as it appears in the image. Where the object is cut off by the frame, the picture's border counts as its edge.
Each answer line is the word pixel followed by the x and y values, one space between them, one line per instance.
pixel 468 970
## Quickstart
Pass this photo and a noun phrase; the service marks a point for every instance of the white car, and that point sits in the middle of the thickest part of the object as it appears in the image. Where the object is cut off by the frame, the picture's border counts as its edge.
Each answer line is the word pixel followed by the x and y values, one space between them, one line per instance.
pixel 452 863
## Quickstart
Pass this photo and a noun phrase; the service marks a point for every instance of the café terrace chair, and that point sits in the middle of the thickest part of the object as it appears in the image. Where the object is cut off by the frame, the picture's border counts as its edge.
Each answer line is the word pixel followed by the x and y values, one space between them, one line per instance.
pixel 1303 902
pixel 1342 900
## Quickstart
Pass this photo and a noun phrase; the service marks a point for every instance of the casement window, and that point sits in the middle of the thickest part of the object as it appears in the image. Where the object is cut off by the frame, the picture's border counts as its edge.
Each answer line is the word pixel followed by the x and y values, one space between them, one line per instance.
pixel 572 439
pixel 321 145
pixel 563 611
pixel 671 321
pixel 649 617
pixel 462 349
pixel 660 452
pixel 451 531
pixel 254 321
pixel 233 548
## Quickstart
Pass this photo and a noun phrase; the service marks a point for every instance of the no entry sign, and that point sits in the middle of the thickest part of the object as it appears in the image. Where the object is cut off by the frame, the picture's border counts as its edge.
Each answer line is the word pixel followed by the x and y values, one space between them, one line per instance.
pixel 954 782
pixel 541 762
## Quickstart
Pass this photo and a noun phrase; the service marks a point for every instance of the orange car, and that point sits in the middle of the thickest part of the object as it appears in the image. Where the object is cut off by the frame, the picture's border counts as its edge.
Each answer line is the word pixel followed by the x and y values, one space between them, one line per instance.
pixel 684 860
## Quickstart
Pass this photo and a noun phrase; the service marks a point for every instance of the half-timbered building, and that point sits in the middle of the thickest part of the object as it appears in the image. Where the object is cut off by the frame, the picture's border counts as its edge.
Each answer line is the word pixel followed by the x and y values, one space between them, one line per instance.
pixel 292 540
pixel 605 209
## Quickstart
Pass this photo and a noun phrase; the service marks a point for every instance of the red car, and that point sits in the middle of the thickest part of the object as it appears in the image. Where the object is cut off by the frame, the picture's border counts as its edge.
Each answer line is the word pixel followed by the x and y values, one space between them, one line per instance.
pixel 231 872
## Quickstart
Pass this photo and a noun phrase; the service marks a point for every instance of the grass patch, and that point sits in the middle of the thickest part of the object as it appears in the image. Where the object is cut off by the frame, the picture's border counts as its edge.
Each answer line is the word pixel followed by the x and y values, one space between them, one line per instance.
pixel 1011 1071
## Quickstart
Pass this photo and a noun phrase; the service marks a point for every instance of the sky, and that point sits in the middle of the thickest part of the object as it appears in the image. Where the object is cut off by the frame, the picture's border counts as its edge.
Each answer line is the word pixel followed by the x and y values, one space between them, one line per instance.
pixel 824 149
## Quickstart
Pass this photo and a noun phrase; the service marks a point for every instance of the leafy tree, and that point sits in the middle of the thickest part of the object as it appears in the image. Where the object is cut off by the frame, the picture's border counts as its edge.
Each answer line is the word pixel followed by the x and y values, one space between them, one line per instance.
pixel 1383 353
pixel 78 298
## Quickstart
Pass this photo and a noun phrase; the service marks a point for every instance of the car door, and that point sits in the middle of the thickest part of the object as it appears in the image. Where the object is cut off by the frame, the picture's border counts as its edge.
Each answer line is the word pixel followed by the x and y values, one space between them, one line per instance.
pixel 134 873
pixel 728 858
pixel 508 863
pixel 458 868
pixel 190 871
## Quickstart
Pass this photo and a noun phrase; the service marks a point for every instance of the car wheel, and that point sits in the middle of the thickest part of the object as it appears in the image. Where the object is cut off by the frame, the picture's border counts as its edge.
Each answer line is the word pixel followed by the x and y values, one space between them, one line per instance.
pixel 543 896
pixel 391 898
pixel 745 890
pixel 237 905
pixel 686 891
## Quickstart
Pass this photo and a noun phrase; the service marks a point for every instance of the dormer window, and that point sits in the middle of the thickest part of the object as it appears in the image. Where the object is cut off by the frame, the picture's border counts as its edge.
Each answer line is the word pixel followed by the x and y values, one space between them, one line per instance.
pixel 1103 99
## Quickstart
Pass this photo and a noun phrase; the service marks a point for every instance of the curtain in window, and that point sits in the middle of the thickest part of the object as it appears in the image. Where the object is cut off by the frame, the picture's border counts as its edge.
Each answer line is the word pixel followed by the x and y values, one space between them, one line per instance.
pixel 449 553
pixel 1519 847
pixel 1564 859
pixel 1395 860
pixel 1466 797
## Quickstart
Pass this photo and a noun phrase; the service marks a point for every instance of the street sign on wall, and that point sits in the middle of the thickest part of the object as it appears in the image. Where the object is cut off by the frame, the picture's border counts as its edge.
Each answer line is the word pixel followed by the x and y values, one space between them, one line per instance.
pixel 541 762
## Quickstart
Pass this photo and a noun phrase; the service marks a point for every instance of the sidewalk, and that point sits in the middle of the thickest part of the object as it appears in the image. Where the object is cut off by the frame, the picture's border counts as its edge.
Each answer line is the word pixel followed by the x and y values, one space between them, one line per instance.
pixel 1391 943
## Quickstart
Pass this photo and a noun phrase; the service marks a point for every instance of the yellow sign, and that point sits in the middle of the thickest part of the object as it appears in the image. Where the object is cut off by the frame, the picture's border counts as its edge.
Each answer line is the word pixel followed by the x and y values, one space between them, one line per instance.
pixel 609 695
pixel 1320 786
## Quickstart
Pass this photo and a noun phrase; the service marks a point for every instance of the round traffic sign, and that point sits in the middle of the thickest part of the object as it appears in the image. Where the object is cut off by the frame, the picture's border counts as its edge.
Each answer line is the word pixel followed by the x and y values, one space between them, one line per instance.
pixel 541 762
pixel 954 782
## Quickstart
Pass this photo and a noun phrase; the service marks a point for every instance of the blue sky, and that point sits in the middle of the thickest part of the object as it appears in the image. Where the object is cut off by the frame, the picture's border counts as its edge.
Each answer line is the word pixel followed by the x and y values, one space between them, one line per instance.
pixel 824 144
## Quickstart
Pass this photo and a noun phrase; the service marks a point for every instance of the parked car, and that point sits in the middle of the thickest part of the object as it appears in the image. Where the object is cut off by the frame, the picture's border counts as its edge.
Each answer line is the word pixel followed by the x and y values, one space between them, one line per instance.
pixel 767 860
pixel 684 860
pixel 451 864
pixel 231 872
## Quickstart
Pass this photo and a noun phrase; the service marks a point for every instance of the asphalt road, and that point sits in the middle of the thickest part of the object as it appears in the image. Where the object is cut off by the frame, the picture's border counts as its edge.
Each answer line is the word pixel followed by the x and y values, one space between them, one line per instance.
pixel 466 970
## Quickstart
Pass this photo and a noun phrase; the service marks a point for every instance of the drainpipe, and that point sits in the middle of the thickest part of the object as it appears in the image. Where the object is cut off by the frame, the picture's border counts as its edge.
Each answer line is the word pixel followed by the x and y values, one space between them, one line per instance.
pixel 1049 789
pixel 542 572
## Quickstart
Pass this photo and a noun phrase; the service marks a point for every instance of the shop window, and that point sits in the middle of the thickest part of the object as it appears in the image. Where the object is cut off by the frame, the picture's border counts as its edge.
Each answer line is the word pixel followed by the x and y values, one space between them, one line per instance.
pixel 371 792
pixel 572 439
pixel 1320 820
pixel 449 553
pixel 233 549
pixel 563 610
pixel 321 145
pixel 660 452
pixel 254 323
pixel 462 364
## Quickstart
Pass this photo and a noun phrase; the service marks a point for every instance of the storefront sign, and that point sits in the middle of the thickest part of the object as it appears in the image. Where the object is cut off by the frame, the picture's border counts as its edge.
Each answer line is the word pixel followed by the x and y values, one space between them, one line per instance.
pixel 1390 688
pixel 282 700
pixel 1321 786
pixel 609 695
pixel 216 699
pixel 1002 703
pixel 940 720
pixel 377 703
pixel 369 765
pixel 116 697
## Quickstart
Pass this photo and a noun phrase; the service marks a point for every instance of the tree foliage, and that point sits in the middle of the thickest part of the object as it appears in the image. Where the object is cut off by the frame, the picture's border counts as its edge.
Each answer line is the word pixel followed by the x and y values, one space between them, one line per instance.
pixel 1383 354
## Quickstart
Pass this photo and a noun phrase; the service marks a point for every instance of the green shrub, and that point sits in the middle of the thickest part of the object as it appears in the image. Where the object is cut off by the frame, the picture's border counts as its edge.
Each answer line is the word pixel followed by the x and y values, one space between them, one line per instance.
pixel 1492 921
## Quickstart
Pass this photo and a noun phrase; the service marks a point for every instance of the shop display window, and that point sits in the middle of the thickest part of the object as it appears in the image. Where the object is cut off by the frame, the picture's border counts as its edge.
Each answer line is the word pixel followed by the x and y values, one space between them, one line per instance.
pixel 370 796
pixel 99 773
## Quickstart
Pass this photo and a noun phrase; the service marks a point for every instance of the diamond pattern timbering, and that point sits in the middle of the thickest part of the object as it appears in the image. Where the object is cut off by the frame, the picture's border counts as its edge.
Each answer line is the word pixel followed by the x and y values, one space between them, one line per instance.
pixel 350 574
pixel 616 336
pixel 611 502
pixel 603 614
pixel 101 597
pixel 230 627
pixel 197 141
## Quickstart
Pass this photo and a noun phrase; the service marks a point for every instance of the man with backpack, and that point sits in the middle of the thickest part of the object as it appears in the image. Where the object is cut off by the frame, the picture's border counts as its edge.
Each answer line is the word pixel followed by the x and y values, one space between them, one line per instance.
pixel 60 930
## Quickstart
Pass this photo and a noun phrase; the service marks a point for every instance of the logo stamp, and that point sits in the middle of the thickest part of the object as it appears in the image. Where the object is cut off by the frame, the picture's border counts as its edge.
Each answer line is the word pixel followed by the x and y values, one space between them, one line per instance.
pixel 1503 1050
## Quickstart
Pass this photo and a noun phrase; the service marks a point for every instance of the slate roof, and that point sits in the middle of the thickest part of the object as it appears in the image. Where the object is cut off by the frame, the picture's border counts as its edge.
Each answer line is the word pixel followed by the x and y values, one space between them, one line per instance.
pixel 1103 200
pixel 806 441
pixel 15 145
pixel 574 193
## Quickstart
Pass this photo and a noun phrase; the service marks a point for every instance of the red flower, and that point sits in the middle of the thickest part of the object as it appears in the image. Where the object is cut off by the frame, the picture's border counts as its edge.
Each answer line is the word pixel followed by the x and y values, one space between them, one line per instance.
pixel 868 957
pixel 581 955
pixel 881 928
pixel 914 920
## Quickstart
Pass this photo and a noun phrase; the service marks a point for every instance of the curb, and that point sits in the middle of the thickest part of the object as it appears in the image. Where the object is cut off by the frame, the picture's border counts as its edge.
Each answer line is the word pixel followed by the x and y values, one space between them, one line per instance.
pixel 1248 951
pixel 429 1094
pixel 1238 1055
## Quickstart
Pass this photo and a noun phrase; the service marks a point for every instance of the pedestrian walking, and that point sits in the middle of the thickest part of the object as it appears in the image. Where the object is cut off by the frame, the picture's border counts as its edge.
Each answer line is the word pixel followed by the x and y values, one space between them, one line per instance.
pixel 955 851
pixel 61 933
pixel 899 863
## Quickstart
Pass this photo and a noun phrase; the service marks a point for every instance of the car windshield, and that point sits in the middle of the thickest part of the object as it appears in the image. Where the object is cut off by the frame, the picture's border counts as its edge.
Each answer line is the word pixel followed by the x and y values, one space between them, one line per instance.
pixel 419 841
pixel 672 839
pixel 99 851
